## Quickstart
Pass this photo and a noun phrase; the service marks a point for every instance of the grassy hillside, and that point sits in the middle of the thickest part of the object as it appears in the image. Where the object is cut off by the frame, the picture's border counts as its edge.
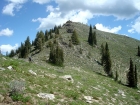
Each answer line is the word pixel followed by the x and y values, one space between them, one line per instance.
pixel 82 63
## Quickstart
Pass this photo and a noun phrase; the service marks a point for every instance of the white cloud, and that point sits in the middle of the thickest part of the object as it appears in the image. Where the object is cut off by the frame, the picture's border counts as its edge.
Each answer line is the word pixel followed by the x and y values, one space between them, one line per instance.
pixel 8 48
pixel 41 1
pixel 108 29
pixel 8 9
pixel 82 11
pixel 117 8
pixel 12 6
pixel 135 27
pixel 6 32
pixel 50 8
pixel 55 18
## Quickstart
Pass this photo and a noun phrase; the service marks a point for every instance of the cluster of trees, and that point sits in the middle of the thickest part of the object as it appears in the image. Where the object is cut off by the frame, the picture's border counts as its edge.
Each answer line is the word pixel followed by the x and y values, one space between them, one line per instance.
pixel 56 54
pixel 106 60
pixel 92 37
pixel 41 37
pixel 138 51
pixel 22 51
pixel 132 75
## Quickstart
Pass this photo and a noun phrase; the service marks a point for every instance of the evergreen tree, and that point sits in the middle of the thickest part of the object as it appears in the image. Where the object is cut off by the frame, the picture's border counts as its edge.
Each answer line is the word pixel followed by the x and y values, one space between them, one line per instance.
pixel 131 75
pixel 39 44
pixel 12 53
pixel 102 54
pixel 56 55
pixel 90 36
pixel 136 78
pixel 46 35
pixel 28 46
pixel 94 27
pixel 74 38
pixel 106 60
pixel 22 51
pixel 57 31
pixel 138 51
pixel 94 40
pixel 50 33
pixel 42 36
pixel 39 40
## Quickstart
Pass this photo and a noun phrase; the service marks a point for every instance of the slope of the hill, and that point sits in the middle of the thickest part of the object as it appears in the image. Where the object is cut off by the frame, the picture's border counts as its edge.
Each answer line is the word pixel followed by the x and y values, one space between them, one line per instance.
pixel 88 58
pixel 80 62
pixel 103 90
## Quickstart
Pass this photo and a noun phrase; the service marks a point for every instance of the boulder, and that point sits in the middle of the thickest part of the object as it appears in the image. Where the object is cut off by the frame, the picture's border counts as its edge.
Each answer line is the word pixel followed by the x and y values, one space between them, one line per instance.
pixel 88 99
pixel 10 67
pixel 32 72
pixel 68 78
pixel 2 69
pixel 46 95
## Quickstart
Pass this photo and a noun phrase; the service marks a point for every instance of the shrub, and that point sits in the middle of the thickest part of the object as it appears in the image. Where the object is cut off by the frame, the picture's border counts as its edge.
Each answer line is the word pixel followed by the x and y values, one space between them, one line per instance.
pixel 16 91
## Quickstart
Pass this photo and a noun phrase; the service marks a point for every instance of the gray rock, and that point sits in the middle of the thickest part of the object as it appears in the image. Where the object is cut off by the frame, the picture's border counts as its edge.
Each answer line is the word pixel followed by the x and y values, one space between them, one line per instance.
pixel 67 77
pixel 46 95
pixel 1 98
pixel 2 69
pixel 32 72
pixel 10 67
pixel 88 99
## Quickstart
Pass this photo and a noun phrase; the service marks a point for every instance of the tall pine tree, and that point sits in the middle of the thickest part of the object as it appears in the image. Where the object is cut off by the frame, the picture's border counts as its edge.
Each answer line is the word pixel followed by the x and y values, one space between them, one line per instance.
pixel 107 65
pixel 131 75
pixel 94 40
pixel 138 51
pixel 106 60
pixel 136 77
pixel 90 36
pixel 46 35
pixel 56 55
pixel 102 54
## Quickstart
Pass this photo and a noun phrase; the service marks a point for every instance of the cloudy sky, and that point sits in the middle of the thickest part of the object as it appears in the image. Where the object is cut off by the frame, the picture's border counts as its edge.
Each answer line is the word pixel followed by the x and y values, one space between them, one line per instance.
pixel 22 18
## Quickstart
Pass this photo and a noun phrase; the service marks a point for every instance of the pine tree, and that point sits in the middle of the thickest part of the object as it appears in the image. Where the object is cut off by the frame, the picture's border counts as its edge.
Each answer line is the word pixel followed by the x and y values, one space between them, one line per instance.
pixel 39 40
pixel 138 51
pixel 42 36
pixel 102 54
pixel 28 46
pixel 12 53
pixel 46 35
pixel 94 40
pixel 131 75
pixel 74 38
pixel 136 78
pixel 39 44
pixel 107 62
pixel 56 55
pixel 94 27
pixel 90 36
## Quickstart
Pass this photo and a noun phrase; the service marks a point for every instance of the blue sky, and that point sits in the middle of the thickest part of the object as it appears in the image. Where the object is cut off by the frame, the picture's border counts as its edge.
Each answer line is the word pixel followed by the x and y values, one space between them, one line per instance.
pixel 22 18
